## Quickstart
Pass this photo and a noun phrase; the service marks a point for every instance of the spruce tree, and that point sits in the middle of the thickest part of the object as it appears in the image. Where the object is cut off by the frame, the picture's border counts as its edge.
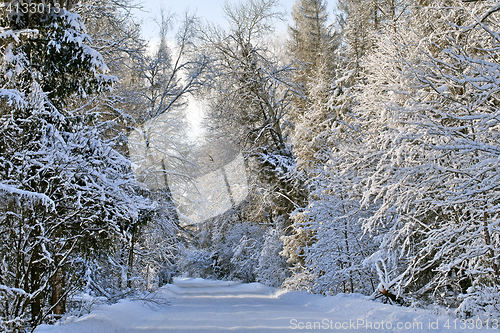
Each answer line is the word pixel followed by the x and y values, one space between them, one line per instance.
pixel 311 37
pixel 65 193
pixel 311 47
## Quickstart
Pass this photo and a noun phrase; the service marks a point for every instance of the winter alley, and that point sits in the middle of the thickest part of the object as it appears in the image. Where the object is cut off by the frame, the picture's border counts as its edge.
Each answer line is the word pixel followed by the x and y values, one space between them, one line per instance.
pixel 196 305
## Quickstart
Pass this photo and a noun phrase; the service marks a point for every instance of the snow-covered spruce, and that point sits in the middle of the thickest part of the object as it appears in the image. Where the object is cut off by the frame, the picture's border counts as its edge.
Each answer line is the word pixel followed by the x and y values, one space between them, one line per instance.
pixel 66 195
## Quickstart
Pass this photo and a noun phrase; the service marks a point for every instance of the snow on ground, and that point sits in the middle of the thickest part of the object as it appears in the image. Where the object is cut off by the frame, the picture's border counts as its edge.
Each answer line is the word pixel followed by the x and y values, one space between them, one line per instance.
pixel 197 305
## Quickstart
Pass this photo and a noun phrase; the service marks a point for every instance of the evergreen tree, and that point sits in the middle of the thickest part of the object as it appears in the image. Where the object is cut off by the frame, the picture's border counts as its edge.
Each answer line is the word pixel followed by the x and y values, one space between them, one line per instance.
pixel 328 245
pixel 311 43
pixel 66 194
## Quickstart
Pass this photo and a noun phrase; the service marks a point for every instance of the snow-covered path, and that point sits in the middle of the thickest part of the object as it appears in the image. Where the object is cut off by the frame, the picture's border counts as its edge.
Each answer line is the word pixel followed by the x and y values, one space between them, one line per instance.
pixel 197 305
pixel 222 306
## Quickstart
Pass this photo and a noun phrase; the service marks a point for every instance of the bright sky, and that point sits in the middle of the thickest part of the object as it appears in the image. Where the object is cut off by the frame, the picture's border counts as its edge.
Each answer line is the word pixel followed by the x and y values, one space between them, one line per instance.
pixel 210 10
pixel 207 10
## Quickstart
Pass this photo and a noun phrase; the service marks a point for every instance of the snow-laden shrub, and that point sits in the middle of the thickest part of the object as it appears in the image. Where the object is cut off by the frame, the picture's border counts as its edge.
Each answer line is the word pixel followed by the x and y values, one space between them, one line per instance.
pixel 272 266
pixel 239 251
pixel 81 303
pixel 198 263
pixel 12 319
pixel 166 275
pixel 480 301
pixel 300 279
pixel 234 244
pixel 328 240
pixel 245 258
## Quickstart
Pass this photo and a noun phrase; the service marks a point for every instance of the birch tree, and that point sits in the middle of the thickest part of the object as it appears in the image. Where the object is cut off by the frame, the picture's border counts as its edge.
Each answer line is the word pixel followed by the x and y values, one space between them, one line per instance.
pixel 253 93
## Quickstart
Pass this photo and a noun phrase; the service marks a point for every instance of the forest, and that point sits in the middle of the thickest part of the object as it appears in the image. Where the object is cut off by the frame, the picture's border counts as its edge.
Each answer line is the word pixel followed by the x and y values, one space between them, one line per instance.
pixel 370 139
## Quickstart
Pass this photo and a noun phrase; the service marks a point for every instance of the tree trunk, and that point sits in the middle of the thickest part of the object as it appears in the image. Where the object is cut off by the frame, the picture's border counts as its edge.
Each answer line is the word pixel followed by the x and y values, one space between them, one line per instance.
pixel 36 303
pixel 35 285
pixel 57 284
pixel 130 261
pixel 487 240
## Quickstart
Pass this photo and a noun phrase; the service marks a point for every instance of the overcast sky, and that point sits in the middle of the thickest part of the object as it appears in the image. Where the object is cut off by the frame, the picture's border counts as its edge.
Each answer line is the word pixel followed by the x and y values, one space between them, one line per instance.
pixel 210 10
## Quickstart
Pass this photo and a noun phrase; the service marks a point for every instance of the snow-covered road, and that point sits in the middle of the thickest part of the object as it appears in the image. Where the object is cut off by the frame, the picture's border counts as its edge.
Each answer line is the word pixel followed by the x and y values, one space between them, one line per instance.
pixel 197 305
pixel 223 306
